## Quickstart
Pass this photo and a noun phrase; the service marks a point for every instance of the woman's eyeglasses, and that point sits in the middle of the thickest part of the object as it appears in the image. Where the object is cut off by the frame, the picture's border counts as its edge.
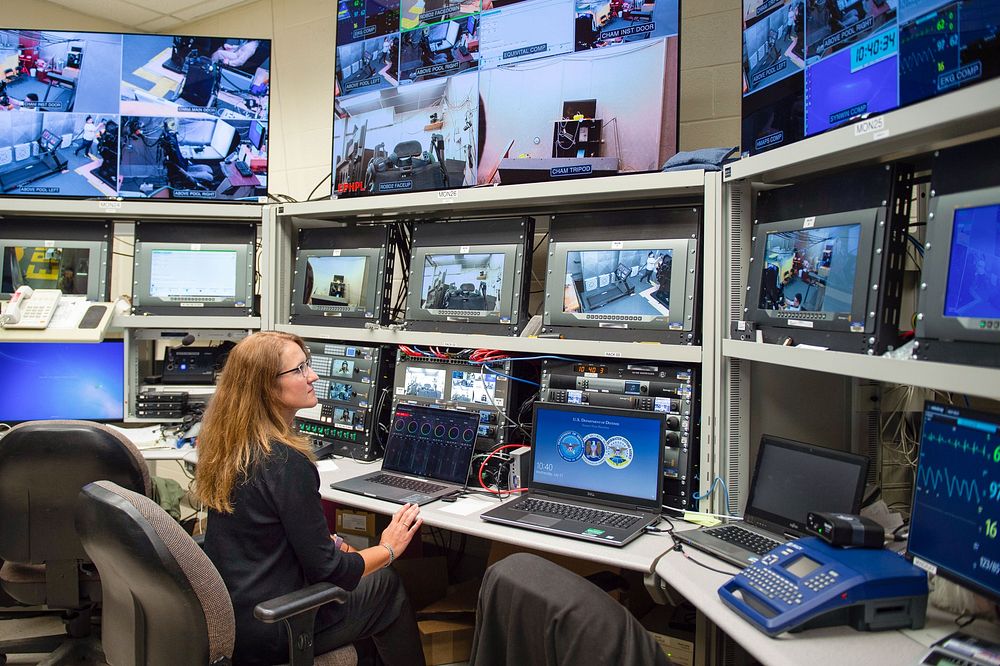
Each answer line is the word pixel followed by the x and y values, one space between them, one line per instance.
pixel 302 368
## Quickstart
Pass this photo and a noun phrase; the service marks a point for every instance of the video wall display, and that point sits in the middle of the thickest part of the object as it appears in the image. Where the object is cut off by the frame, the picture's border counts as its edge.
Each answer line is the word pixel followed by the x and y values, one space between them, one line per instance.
pixel 814 65
pixel 633 282
pixel 428 93
pixel 94 115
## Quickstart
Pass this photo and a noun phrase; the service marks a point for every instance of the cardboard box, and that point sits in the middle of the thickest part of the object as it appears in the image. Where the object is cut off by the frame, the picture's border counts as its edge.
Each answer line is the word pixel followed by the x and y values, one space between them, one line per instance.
pixel 355 521
pixel 447 616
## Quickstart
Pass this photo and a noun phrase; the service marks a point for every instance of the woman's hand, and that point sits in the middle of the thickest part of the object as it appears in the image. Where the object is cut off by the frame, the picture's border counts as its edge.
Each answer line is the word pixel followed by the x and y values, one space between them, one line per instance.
pixel 404 524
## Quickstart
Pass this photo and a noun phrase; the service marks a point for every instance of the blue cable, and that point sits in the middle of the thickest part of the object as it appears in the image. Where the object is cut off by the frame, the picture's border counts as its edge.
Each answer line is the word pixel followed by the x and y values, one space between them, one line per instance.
pixel 725 490
pixel 916 244
pixel 501 374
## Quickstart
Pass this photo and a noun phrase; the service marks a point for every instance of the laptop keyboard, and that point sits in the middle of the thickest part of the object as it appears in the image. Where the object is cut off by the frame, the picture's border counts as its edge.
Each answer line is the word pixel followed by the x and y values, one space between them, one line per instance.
pixel 579 513
pixel 406 484
pixel 744 538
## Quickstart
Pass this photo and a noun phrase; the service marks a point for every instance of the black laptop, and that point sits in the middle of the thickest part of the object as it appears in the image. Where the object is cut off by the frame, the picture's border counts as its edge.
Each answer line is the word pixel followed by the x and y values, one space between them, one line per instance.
pixel 789 480
pixel 596 474
pixel 428 456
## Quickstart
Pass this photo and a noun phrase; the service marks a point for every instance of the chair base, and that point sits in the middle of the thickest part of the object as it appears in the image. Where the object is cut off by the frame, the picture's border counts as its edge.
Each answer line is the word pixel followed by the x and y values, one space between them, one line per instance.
pixel 61 650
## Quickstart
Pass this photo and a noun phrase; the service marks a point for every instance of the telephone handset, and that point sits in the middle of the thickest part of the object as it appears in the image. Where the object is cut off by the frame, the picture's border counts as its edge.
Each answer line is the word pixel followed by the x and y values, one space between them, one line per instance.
pixel 30 308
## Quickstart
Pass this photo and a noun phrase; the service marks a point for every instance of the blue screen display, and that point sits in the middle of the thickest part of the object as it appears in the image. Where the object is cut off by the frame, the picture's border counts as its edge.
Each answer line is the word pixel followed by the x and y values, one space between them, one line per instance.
pixel 956 502
pixel 974 265
pixel 599 452
pixel 54 380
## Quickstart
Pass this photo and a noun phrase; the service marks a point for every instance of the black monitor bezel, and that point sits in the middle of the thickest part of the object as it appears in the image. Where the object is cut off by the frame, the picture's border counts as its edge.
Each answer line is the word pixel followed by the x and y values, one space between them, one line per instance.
pixel 507 311
pixel 684 259
pixel 327 315
pixel 857 320
pixel 652 505
pixel 940 570
pixel 931 321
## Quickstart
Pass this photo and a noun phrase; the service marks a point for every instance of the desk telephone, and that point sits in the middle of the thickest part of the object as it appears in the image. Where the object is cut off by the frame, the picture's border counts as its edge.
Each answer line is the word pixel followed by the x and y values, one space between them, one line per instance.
pixel 808 583
pixel 30 308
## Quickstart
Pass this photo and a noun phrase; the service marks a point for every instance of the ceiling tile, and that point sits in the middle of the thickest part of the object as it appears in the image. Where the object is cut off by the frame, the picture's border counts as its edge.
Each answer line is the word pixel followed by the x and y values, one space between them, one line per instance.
pixel 162 24
pixel 125 13
pixel 205 8
pixel 163 6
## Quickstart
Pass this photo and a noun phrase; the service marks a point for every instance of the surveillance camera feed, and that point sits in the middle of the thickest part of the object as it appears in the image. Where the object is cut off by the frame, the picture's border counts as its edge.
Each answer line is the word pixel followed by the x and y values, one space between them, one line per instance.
pixel 974 265
pixel 425 382
pixel 65 269
pixel 133 116
pixel 468 282
pixel 810 270
pixel 814 65
pixel 619 282
pixel 473 387
pixel 427 93
pixel 335 281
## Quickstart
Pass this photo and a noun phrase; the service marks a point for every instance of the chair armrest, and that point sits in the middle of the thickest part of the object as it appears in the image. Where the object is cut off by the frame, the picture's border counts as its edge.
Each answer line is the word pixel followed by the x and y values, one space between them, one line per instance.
pixel 299 601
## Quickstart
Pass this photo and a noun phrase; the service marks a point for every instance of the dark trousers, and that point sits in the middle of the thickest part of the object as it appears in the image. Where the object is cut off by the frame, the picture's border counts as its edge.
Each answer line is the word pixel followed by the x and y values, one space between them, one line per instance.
pixel 84 146
pixel 378 608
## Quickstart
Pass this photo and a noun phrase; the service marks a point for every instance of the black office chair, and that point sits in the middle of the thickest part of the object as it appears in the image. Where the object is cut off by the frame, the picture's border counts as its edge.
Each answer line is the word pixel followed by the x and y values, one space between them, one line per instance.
pixel 164 601
pixel 43 466
pixel 532 611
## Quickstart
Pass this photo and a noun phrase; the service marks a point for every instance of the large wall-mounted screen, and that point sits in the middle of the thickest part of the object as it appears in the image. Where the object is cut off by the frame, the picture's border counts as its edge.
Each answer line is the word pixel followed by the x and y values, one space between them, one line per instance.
pixel 810 66
pixel 98 115
pixel 434 94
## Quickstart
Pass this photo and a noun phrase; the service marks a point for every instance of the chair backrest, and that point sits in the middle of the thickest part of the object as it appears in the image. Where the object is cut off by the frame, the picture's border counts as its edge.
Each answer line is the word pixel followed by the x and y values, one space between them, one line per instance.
pixel 43 466
pixel 164 601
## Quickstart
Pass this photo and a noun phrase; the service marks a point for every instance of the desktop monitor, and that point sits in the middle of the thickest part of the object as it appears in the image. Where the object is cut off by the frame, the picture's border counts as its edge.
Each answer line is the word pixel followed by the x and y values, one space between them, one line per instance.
pixel 953 525
pixel 122 88
pixel 959 306
pixel 427 92
pixel 342 275
pixel 55 380
pixel 809 67
pixel 640 287
pixel 822 270
pixel 477 286
pixel 257 135
pixel 71 256
pixel 210 277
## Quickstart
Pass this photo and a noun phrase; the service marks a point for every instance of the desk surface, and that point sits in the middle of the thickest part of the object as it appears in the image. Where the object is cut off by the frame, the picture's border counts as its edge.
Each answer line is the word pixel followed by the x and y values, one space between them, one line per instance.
pixel 640 555
pixel 816 647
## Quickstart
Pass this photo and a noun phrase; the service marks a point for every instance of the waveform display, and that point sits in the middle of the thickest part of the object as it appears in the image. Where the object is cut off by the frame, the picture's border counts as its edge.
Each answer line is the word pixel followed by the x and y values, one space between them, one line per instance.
pixel 965 444
pixel 934 479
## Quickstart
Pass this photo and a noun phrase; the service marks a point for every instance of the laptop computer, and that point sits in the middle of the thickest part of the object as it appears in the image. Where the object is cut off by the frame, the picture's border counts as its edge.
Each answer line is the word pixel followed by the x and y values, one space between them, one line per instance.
pixel 428 456
pixel 596 474
pixel 790 479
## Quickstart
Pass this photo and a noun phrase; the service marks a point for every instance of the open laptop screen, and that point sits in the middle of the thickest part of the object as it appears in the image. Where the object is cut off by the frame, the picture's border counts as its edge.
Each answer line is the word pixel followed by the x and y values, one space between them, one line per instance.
pixel 599 453
pixel 433 443
pixel 791 479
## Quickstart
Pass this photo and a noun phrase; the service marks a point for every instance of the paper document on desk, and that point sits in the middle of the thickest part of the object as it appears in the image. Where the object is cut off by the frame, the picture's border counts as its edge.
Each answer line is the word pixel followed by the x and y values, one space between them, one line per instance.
pixel 467 506
pixel 150 437
pixel 69 312
pixel 326 466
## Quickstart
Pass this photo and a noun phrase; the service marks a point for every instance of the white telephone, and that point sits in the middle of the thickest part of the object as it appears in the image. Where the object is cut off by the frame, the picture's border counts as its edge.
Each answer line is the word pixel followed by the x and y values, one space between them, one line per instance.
pixel 30 308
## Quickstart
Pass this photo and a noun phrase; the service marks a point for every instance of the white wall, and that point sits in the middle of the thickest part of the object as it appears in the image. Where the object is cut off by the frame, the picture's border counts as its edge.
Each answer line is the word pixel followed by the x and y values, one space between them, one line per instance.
pixel 49 16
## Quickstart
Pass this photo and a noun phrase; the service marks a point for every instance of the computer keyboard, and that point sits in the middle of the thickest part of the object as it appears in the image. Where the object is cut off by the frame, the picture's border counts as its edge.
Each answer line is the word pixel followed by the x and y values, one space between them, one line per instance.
pixel 242 167
pixel 581 513
pixel 745 538
pixel 406 484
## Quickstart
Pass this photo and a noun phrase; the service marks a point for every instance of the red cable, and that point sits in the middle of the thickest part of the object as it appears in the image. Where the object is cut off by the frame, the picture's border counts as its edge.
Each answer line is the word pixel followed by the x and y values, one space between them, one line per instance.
pixel 483 466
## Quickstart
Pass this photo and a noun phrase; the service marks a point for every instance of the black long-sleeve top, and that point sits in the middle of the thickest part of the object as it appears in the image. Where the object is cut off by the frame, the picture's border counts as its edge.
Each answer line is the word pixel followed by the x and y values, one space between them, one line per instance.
pixel 276 541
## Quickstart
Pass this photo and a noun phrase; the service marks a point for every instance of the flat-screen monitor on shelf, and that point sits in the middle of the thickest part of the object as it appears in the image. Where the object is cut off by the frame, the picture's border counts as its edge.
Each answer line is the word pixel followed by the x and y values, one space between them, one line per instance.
pixel 636 281
pixel 132 116
pixel 953 525
pixel 57 380
pixel 808 67
pixel 342 275
pixel 430 95
pixel 959 306
pixel 213 274
pixel 826 261
pixel 71 256
pixel 470 276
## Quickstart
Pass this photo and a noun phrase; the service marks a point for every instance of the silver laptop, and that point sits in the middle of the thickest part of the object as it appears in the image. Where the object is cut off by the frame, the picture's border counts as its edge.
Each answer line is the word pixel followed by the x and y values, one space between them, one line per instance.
pixel 596 474
pixel 428 456
pixel 790 479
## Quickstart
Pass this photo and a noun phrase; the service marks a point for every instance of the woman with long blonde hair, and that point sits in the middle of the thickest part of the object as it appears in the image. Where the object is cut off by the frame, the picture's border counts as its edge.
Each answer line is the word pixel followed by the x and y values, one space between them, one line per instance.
pixel 267 534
